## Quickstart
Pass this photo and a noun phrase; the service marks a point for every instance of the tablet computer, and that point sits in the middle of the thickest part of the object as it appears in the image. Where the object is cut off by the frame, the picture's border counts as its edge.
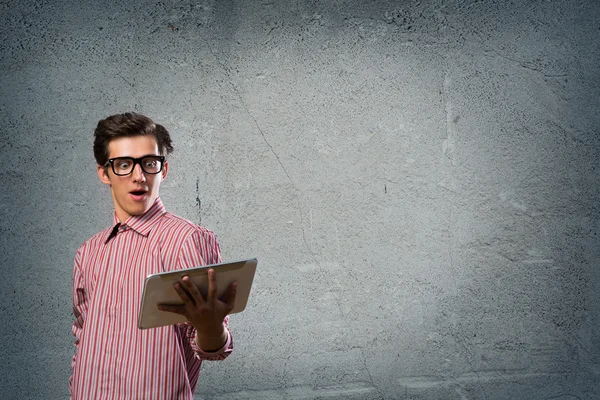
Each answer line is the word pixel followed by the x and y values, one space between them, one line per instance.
pixel 158 289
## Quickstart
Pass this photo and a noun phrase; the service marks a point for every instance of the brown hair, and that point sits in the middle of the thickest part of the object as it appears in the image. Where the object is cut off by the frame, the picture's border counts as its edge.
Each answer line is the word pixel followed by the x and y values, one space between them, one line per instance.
pixel 125 125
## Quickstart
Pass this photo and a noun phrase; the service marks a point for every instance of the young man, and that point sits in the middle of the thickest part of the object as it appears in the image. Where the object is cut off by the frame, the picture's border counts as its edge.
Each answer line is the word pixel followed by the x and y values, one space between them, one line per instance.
pixel 114 359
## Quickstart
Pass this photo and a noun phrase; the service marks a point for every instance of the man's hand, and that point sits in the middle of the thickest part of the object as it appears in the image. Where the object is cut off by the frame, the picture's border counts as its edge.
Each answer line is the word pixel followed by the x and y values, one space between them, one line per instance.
pixel 205 313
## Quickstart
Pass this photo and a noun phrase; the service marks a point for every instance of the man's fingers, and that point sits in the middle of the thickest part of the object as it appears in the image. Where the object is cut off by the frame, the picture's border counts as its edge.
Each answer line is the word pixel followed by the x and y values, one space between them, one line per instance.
pixel 212 287
pixel 192 289
pixel 229 296
pixel 184 293
pixel 174 308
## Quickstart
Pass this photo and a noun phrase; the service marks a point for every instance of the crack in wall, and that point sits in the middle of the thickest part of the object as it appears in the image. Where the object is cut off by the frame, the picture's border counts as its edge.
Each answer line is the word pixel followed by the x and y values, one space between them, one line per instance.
pixel 494 375
pixel 337 391
pixel 313 256
pixel 132 85
pixel 561 396
pixel 468 354
pixel 528 65
pixel 524 64
pixel 364 357
pixel 262 133
pixel 320 267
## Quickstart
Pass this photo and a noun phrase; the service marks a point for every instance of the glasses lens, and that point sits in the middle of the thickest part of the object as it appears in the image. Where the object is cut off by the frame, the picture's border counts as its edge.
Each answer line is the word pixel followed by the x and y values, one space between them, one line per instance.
pixel 122 166
pixel 151 165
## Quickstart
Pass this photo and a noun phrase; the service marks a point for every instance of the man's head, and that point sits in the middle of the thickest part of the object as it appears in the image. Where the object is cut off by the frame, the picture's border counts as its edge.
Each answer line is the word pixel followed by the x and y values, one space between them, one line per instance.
pixel 129 149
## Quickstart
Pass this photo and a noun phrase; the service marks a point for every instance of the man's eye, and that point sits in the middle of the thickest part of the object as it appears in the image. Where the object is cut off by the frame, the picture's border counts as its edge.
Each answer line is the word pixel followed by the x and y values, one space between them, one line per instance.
pixel 150 164
pixel 123 165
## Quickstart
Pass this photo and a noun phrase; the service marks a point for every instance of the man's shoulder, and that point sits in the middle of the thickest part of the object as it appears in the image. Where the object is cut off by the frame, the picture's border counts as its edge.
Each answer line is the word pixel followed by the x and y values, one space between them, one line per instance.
pixel 176 234
pixel 174 224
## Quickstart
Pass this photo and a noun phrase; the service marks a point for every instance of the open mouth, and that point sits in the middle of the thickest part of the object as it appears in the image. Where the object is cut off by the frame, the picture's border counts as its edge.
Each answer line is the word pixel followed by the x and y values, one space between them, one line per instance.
pixel 138 194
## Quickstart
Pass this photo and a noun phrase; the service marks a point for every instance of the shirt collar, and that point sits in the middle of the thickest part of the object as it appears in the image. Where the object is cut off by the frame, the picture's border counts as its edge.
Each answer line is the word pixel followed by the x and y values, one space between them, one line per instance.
pixel 142 223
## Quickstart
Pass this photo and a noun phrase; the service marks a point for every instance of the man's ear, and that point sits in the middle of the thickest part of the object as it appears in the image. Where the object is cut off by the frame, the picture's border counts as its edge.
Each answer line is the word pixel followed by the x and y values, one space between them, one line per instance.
pixel 165 170
pixel 103 175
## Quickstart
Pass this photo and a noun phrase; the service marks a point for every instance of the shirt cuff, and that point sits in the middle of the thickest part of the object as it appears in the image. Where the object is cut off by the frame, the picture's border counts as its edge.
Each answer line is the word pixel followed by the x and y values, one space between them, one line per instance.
pixel 219 354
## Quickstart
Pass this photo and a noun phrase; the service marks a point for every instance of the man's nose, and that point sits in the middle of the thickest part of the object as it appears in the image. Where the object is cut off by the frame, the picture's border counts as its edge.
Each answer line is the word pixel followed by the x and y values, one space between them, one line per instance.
pixel 137 174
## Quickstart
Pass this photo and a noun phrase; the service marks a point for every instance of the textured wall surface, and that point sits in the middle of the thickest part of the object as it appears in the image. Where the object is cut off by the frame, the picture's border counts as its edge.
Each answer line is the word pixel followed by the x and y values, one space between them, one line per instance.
pixel 418 179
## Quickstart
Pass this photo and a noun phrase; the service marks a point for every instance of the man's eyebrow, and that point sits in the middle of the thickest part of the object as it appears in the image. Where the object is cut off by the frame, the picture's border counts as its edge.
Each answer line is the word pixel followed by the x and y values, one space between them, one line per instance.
pixel 146 155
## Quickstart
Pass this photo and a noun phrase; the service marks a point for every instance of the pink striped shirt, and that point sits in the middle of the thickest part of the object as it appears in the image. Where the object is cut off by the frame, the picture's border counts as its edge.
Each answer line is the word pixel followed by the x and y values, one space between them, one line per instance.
pixel 114 359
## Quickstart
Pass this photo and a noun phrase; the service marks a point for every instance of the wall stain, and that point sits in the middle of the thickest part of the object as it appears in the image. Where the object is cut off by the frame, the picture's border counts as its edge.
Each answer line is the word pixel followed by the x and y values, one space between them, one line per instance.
pixel 198 201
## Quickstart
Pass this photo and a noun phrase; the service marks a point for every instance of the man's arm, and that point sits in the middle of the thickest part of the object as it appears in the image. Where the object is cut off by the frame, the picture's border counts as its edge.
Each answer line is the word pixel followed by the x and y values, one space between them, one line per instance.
pixel 207 326
pixel 79 302
pixel 205 313
pixel 219 353
pixel 212 341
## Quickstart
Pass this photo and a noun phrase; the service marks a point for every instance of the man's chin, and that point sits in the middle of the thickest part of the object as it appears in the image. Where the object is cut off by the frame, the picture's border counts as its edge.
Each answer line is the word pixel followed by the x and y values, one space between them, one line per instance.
pixel 138 208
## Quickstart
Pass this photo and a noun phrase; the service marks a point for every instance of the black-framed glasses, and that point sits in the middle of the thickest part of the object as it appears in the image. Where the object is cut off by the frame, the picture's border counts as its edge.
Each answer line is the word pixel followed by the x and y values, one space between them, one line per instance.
pixel 125 165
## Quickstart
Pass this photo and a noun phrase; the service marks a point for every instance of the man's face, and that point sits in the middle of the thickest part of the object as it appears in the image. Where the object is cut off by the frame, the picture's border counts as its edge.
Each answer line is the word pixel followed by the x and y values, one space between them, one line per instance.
pixel 135 193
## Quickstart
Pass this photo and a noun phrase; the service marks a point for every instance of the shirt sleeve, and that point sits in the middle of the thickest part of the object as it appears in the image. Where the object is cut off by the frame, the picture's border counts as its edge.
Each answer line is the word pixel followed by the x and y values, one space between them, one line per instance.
pixel 202 248
pixel 80 306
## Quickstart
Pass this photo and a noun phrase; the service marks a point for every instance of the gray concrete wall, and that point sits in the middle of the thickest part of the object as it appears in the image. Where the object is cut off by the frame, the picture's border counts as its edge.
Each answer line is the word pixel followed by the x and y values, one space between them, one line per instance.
pixel 418 179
